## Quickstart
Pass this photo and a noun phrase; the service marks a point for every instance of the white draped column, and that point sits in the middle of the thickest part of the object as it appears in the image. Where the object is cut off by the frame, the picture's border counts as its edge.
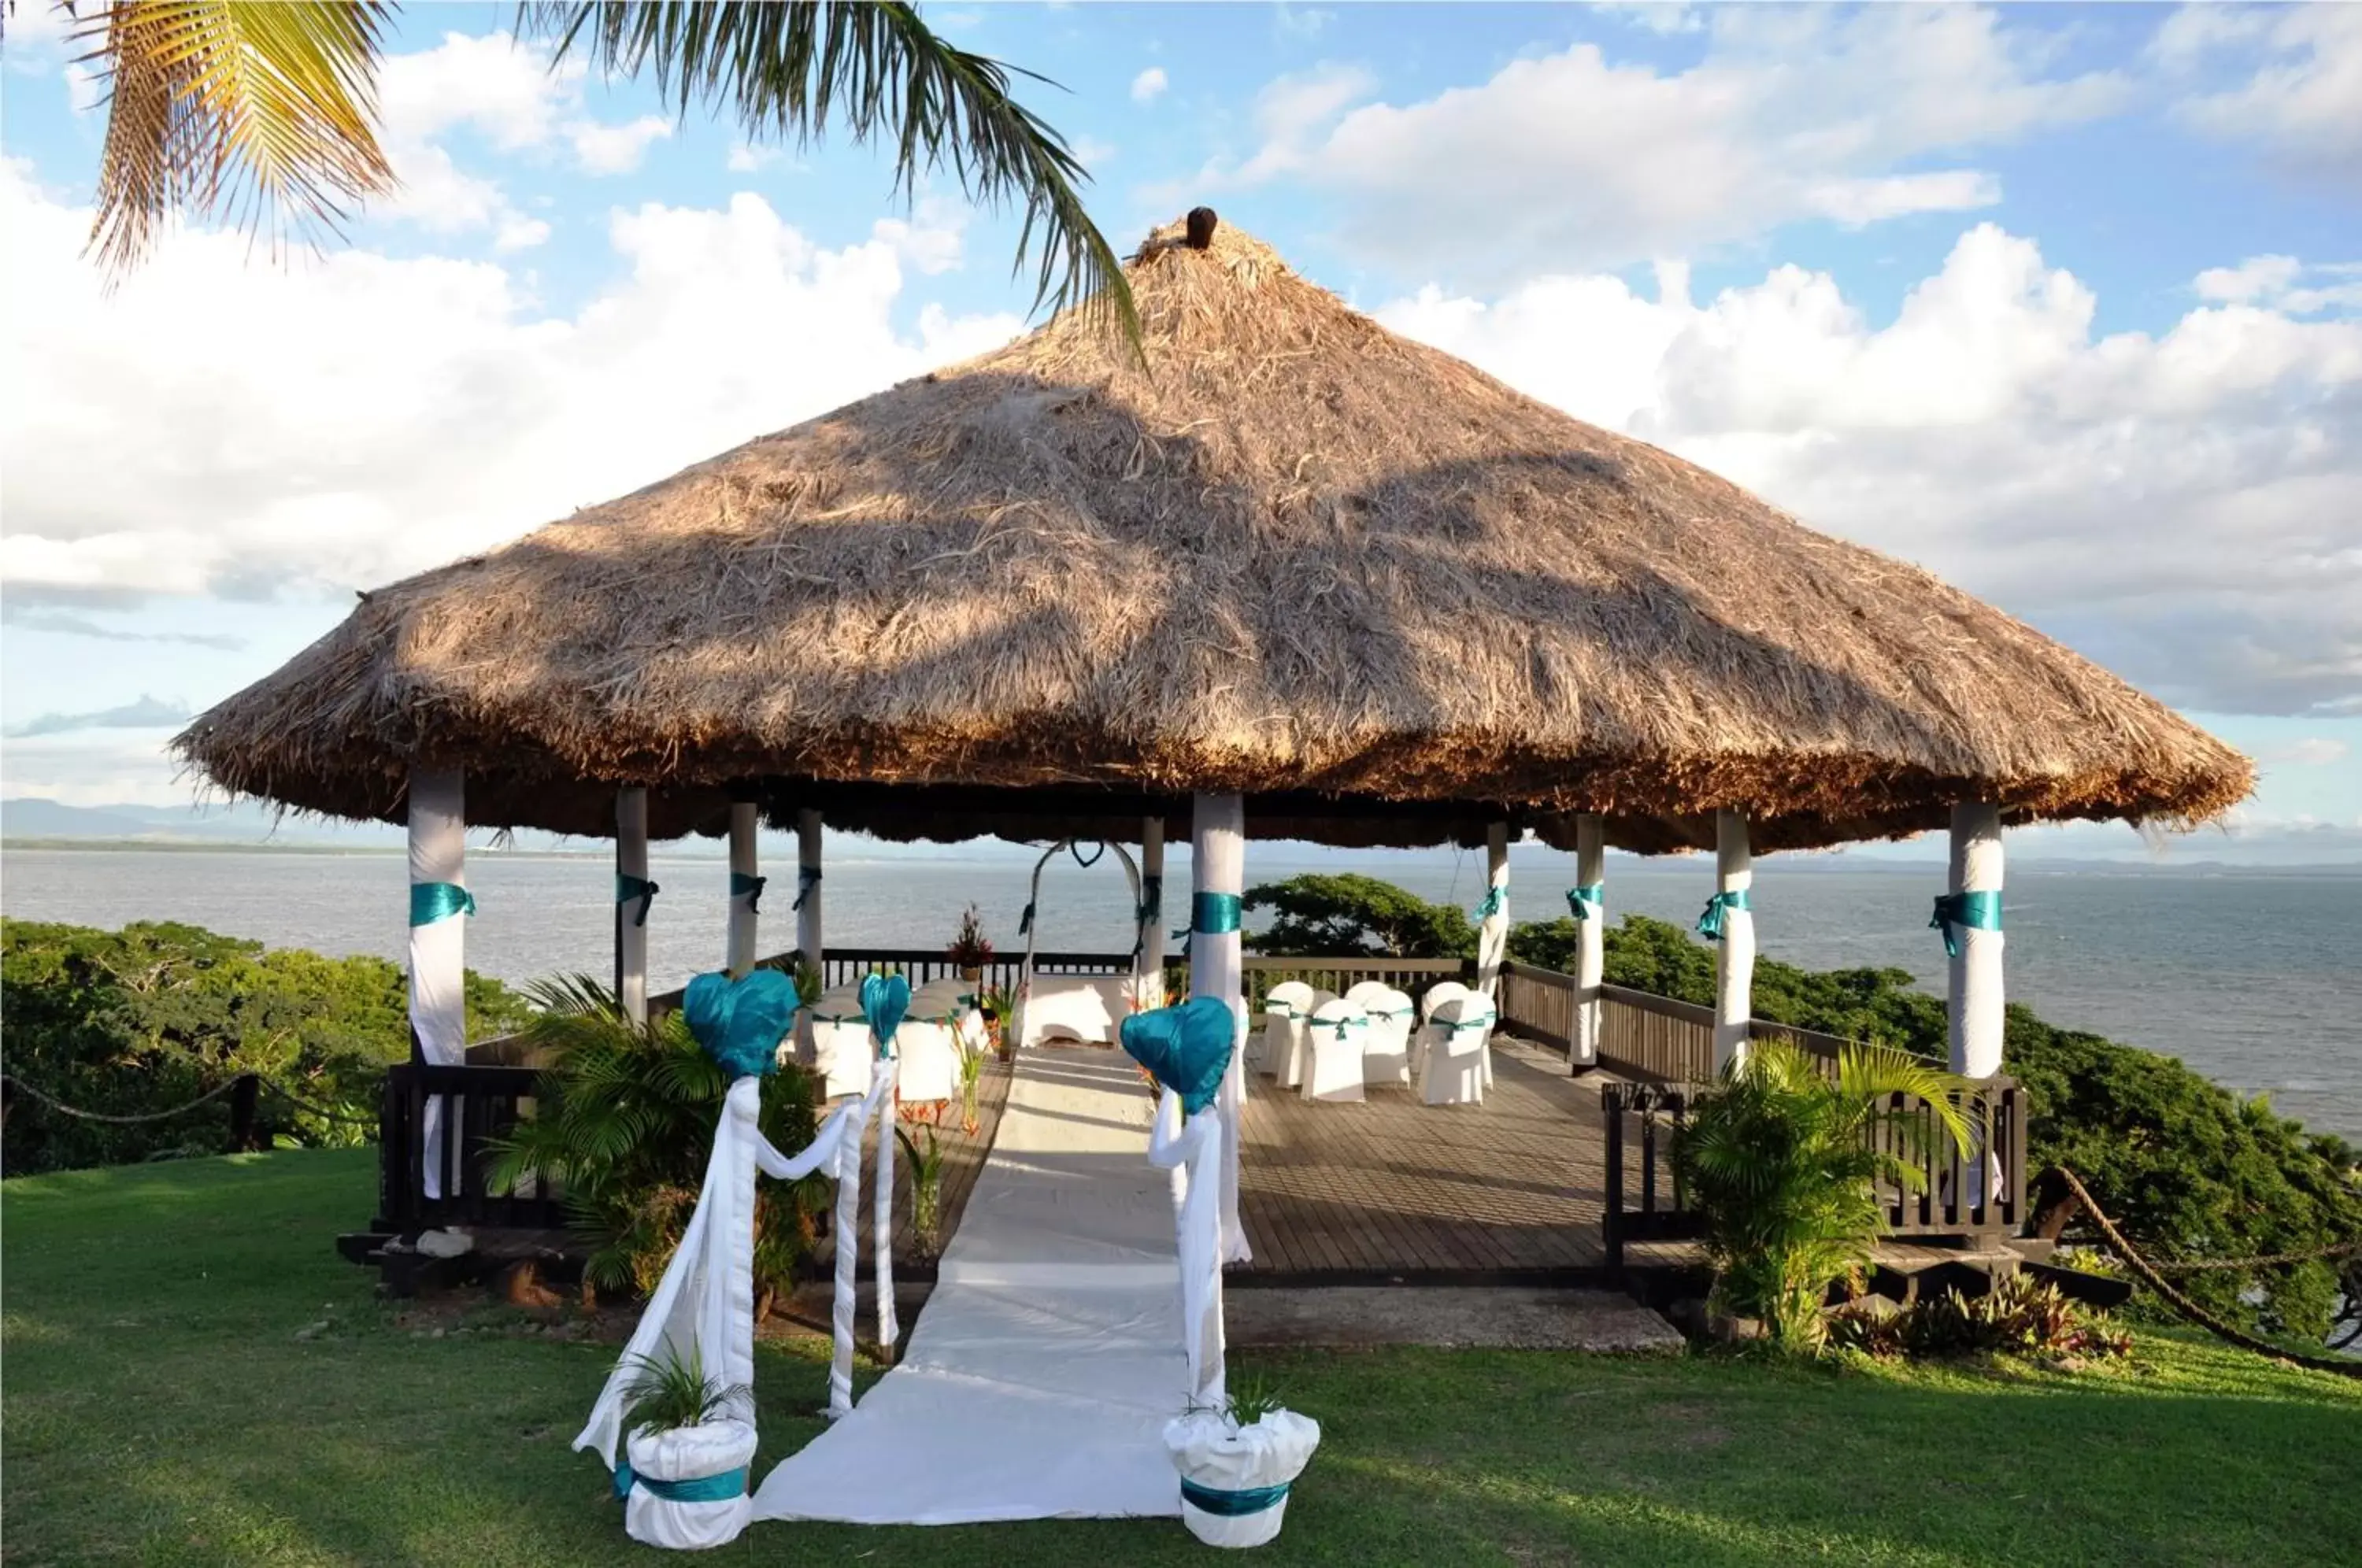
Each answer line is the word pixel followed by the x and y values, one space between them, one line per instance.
pixel 1588 902
pixel 1218 883
pixel 439 905
pixel 808 894
pixel 1734 965
pixel 1493 929
pixel 634 894
pixel 1152 912
pixel 745 889
pixel 1970 917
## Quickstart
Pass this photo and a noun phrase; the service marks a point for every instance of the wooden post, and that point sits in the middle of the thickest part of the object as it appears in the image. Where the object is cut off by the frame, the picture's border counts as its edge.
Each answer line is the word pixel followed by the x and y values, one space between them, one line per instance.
pixel 632 906
pixel 1152 912
pixel 744 889
pixel 1493 932
pixel 1976 966
pixel 1734 965
pixel 808 895
pixel 1591 949
pixel 241 1114
pixel 1217 879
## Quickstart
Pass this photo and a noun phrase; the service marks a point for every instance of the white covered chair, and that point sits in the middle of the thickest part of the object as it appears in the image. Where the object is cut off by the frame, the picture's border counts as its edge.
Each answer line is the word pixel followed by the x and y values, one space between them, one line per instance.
pixel 1084 1008
pixel 1289 1068
pixel 1437 995
pixel 1336 1033
pixel 1385 1050
pixel 927 1044
pixel 1359 992
pixel 843 1053
pixel 1284 1008
pixel 1453 1071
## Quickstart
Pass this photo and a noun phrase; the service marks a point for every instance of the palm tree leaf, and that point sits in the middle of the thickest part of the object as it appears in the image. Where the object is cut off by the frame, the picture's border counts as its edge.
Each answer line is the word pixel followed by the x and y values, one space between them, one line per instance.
pixel 261 109
pixel 787 70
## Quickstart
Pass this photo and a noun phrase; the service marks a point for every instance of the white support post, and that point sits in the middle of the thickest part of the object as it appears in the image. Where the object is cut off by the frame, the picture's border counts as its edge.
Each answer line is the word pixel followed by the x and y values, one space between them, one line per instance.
pixel 1591 940
pixel 632 905
pixel 1734 965
pixel 746 890
pixel 1492 931
pixel 1976 941
pixel 1218 878
pixel 1152 912
pixel 439 905
pixel 808 895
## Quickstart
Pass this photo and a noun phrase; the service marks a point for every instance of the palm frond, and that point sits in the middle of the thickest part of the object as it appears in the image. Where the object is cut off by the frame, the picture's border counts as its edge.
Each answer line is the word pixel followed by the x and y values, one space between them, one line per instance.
pixel 260 109
pixel 785 70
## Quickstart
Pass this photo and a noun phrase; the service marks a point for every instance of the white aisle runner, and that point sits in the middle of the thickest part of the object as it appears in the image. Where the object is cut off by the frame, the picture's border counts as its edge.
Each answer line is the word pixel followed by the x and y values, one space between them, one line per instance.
pixel 1048 1358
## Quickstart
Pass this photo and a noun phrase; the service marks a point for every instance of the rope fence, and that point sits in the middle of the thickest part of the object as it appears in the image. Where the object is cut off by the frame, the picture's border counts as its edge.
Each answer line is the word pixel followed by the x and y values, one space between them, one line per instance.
pixel 240 1133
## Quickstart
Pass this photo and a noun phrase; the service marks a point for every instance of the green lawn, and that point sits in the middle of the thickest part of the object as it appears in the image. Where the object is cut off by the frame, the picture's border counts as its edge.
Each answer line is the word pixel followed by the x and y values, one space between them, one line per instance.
pixel 159 1408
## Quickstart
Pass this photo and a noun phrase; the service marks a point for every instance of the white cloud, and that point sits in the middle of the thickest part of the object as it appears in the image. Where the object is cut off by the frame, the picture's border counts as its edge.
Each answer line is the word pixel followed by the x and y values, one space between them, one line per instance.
pixel 1652 16
pixel 747 158
pixel 2274 280
pixel 615 149
pixel 2302 98
pixel 1301 23
pixel 2178 506
pixel 1149 84
pixel 1091 152
pixel 1579 158
pixel 2312 751
pixel 348 419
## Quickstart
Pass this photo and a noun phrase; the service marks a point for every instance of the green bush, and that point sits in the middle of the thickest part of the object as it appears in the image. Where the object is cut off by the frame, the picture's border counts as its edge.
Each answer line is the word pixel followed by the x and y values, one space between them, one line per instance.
pixel 146 1018
pixel 1350 916
pixel 2020 1316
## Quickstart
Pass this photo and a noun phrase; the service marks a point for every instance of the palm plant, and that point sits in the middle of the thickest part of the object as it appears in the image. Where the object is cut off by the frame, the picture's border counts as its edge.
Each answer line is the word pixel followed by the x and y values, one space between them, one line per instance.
pixel 926 1187
pixel 626 1127
pixel 268 111
pixel 1783 1162
pixel 670 1390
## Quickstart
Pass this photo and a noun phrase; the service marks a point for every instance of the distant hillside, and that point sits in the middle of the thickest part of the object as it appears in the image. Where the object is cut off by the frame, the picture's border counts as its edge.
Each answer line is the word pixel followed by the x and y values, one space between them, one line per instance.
pixel 243 823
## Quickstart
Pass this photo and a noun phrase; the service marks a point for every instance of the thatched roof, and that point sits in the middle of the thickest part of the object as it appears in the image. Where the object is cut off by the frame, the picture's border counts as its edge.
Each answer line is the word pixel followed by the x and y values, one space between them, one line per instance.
pixel 1295 556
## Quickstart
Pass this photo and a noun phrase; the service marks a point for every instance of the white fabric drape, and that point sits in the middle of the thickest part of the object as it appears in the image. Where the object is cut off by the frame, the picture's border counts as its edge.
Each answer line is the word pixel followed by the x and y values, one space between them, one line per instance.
pixel 1192 1150
pixel 439 949
pixel 632 919
pixel 1218 865
pixel 1976 966
pixel 1591 942
pixel 1734 963
pixel 743 939
pixel 1493 932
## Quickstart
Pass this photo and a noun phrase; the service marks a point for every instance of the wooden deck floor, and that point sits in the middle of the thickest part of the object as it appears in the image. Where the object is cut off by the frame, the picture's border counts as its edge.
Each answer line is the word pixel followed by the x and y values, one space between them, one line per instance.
pixel 1392 1186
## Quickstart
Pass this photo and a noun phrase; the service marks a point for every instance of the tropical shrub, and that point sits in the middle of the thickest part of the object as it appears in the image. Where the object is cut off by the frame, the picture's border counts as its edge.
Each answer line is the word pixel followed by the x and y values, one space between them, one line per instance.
pixel 628 1112
pixel 2020 1316
pixel 146 1018
pixel 1350 916
pixel 669 1391
pixel 1781 1162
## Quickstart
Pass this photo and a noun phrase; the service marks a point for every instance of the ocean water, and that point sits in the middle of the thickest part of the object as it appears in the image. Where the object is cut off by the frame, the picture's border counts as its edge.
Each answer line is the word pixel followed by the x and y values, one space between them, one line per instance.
pixel 2248 977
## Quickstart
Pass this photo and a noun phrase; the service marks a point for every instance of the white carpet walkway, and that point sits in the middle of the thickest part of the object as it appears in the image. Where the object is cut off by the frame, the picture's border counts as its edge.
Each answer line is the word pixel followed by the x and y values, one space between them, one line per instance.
pixel 1048 1358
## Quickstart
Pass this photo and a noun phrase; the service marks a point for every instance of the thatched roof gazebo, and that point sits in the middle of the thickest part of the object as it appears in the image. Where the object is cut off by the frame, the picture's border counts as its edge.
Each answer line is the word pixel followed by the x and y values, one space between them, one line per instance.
pixel 1291 576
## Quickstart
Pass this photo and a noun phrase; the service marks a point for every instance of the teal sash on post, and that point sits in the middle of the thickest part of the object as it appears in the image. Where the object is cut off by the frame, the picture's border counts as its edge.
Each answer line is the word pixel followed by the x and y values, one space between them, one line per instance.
pixel 1215 914
pixel 1709 925
pixel 628 888
pixel 807 879
pixel 1494 898
pixel 1958 911
pixel 431 902
pixel 748 887
pixel 1587 901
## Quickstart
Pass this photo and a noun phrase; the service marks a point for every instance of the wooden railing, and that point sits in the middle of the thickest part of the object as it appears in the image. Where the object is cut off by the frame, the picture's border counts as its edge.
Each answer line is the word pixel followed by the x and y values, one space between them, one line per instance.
pixel 478 1104
pixel 1640 1035
pixel 1340 974
pixel 1951 1199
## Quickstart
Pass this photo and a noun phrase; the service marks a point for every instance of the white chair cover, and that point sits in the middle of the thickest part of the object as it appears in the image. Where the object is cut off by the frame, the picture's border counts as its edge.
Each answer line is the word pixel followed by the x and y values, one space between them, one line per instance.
pixel 1359 992
pixel 929 1052
pixel 1336 1033
pixel 1437 995
pixel 1453 1072
pixel 1284 1006
pixel 1089 1008
pixel 1288 1071
pixel 843 1053
pixel 1385 1049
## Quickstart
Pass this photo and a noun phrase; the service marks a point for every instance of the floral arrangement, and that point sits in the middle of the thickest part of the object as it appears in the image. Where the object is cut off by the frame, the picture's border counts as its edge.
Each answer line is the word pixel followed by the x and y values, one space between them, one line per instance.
pixel 970 948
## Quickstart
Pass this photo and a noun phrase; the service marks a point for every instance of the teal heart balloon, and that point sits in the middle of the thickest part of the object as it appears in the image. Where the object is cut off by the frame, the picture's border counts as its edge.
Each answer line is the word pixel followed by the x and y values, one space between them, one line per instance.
pixel 884 1000
pixel 741 1022
pixel 1186 1048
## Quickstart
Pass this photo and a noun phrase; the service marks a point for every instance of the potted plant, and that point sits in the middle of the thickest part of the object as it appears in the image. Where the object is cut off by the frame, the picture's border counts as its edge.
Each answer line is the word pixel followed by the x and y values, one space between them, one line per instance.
pixel 926 1188
pixel 971 1071
pixel 998 1007
pixel 970 948
pixel 682 1472
pixel 1237 1460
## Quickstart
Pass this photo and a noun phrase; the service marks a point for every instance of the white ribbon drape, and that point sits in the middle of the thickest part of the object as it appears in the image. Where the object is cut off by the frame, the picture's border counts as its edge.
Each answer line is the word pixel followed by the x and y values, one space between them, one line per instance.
pixel 1192 1150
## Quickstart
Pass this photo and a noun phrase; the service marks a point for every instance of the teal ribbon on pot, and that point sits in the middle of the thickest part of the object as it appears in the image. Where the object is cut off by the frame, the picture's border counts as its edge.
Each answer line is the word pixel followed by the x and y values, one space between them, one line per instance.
pixel 741 885
pixel 629 888
pixel 807 879
pixel 431 902
pixel 1496 899
pixel 1587 901
pixel 1232 1505
pixel 696 1489
pixel 1956 911
pixel 1214 914
pixel 1709 925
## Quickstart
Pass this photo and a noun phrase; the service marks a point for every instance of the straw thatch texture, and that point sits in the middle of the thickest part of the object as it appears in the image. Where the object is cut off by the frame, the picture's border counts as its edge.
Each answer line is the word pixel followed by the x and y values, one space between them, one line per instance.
pixel 1297 555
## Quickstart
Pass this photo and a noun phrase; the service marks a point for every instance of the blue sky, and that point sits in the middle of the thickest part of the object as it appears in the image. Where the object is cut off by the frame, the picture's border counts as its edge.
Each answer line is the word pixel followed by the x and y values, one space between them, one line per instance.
pixel 2064 304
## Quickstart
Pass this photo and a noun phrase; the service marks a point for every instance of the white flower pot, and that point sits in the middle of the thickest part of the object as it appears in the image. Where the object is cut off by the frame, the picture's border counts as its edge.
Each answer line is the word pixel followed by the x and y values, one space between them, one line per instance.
pixel 1235 1479
pixel 680 1459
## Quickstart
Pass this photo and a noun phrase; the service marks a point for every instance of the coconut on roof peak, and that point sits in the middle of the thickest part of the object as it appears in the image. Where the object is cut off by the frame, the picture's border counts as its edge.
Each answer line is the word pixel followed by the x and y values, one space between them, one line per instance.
pixel 1287 553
